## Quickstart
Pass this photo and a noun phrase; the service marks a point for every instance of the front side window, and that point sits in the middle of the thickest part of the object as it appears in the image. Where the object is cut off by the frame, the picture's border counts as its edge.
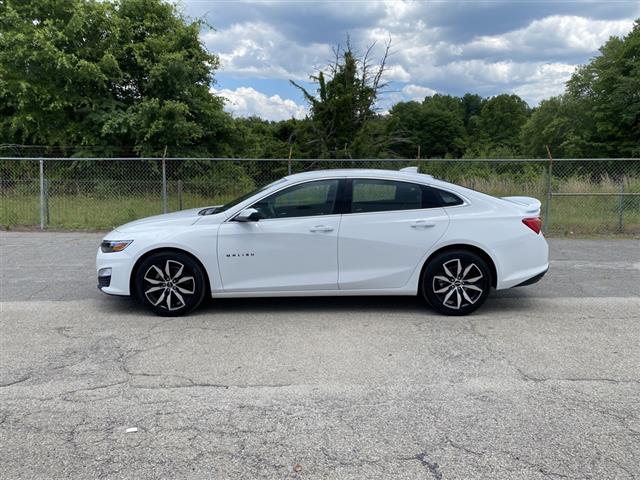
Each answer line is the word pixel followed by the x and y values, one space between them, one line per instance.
pixel 305 200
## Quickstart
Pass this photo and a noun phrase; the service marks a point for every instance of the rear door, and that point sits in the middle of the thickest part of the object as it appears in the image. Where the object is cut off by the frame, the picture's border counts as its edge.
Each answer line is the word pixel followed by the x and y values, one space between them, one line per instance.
pixel 294 246
pixel 386 230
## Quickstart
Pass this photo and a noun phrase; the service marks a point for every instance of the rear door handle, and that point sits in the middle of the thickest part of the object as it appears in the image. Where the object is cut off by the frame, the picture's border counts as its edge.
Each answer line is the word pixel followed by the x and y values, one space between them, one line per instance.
pixel 422 224
pixel 321 228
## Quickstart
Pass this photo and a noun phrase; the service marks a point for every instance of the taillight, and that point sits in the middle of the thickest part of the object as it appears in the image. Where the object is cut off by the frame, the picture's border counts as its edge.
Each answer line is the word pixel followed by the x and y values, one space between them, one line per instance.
pixel 534 223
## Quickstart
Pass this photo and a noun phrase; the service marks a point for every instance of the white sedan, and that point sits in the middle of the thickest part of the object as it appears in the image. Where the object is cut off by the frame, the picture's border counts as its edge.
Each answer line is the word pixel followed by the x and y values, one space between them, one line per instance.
pixel 333 232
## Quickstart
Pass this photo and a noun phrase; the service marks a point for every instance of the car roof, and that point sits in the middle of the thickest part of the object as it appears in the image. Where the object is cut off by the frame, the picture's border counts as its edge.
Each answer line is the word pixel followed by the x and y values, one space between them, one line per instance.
pixel 408 175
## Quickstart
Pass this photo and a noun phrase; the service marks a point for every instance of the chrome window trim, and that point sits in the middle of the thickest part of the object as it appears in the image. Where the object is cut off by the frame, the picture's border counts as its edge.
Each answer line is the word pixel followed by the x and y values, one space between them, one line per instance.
pixel 232 217
pixel 465 201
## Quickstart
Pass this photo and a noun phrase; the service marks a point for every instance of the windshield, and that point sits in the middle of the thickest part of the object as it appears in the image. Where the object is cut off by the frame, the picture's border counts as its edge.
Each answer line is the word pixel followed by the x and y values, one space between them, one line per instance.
pixel 242 198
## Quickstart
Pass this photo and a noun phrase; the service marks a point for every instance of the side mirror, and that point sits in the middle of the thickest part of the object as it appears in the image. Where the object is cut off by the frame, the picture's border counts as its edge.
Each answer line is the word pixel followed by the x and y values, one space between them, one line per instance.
pixel 248 215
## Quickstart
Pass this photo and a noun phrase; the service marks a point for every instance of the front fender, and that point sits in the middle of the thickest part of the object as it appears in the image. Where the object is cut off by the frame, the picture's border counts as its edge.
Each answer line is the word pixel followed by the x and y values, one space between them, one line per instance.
pixel 198 241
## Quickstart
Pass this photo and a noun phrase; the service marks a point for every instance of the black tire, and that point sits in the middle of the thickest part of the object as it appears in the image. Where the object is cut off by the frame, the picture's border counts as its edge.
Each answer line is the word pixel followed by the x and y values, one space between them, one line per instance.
pixel 456 282
pixel 173 294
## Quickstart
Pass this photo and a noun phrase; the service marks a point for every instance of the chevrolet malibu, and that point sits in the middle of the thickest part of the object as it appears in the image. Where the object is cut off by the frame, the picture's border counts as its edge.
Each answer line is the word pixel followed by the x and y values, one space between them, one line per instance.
pixel 334 232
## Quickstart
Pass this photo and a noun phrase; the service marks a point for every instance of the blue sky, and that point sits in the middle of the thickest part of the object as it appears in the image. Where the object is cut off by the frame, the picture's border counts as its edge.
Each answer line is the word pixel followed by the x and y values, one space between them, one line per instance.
pixel 488 47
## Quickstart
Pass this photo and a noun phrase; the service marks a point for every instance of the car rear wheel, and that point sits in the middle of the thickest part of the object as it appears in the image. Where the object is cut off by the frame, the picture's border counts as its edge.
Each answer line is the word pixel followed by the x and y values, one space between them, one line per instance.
pixel 170 283
pixel 456 282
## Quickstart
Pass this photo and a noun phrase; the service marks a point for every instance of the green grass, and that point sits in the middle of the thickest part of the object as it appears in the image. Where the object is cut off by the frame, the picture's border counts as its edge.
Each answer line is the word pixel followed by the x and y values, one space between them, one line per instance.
pixel 581 216
pixel 82 212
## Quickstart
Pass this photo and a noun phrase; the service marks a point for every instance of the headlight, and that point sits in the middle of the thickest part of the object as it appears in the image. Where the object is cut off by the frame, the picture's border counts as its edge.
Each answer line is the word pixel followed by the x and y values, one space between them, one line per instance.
pixel 110 246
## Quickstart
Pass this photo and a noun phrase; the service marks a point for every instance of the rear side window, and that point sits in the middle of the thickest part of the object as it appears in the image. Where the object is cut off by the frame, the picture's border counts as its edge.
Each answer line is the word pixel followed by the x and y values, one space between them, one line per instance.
pixel 372 195
pixel 433 197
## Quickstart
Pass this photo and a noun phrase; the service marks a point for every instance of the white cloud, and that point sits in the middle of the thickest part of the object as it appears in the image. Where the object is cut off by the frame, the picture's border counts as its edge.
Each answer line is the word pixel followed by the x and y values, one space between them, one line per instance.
pixel 417 92
pixel 479 73
pixel 278 41
pixel 396 73
pixel 553 35
pixel 533 81
pixel 246 102
pixel 408 93
pixel 547 81
pixel 261 50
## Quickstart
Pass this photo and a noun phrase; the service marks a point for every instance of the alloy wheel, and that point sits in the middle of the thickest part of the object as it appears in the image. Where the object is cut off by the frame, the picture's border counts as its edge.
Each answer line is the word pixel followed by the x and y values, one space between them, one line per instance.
pixel 167 286
pixel 457 284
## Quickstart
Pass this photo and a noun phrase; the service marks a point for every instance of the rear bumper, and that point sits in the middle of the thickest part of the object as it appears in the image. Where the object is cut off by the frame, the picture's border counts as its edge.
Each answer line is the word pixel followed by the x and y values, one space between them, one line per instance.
pixel 532 280
pixel 521 258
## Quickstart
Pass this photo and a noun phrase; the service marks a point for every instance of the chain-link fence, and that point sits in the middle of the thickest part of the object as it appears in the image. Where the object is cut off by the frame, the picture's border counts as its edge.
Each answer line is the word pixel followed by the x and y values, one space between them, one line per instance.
pixel 579 196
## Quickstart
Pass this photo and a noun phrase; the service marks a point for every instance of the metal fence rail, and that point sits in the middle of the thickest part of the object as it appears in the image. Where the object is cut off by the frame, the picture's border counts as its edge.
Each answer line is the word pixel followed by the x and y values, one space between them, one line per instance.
pixel 579 196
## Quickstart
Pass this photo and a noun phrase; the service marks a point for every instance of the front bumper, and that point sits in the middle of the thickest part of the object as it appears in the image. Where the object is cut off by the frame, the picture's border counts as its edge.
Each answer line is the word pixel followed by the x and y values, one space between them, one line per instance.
pixel 114 272
pixel 104 277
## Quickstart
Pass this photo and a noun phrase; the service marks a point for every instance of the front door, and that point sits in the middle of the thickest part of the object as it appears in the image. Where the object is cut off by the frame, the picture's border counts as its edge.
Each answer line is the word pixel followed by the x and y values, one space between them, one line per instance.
pixel 293 247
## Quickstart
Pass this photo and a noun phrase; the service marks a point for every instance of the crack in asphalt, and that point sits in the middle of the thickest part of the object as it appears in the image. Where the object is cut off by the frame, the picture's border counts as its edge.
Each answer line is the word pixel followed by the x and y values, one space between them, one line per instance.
pixel 15 382
pixel 462 448
pixel 540 379
pixel 432 467
pixel 536 466
pixel 537 379
pixel 262 433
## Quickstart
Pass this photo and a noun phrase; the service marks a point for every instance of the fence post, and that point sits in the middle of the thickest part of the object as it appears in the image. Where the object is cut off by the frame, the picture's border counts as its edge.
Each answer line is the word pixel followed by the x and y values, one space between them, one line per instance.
pixel 621 207
pixel 47 220
pixel 41 194
pixel 179 194
pixel 289 160
pixel 164 181
pixel 547 208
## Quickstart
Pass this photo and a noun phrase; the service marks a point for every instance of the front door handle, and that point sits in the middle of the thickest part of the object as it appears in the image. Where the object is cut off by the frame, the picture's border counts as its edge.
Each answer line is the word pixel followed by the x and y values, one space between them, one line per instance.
pixel 321 228
pixel 422 224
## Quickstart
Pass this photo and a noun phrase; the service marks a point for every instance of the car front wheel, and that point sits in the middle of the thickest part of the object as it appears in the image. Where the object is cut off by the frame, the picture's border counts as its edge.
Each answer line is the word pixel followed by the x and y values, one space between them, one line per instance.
pixel 456 282
pixel 170 283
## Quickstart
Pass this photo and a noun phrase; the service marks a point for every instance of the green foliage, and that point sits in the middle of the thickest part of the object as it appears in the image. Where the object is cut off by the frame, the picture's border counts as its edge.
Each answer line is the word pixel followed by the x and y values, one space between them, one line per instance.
pixel 344 104
pixel 599 115
pixel 131 77
pixel 500 121
pixel 436 125
pixel 131 73
pixel 561 123
pixel 609 86
pixel 471 107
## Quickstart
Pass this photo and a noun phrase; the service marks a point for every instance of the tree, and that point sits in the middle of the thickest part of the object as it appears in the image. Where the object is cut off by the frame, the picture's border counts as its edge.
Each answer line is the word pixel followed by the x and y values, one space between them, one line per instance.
pixel 109 76
pixel 345 100
pixel 561 123
pixel 599 115
pixel 432 125
pixel 445 102
pixel 609 88
pixel 500 121
pixel 471 107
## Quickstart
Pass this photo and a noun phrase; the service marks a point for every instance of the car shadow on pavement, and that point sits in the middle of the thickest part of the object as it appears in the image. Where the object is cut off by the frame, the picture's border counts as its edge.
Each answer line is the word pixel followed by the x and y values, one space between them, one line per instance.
pixel 380 305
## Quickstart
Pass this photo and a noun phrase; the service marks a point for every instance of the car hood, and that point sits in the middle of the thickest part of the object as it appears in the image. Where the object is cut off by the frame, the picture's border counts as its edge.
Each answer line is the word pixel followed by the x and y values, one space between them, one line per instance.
pixel 174 219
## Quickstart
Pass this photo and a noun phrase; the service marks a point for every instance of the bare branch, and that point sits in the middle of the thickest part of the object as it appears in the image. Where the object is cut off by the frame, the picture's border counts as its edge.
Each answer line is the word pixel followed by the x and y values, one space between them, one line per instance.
pixel 308 97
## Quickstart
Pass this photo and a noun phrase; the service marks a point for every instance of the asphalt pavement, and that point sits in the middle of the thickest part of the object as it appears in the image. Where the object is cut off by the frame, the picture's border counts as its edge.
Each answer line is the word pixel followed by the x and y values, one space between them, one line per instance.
pixel 542 382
